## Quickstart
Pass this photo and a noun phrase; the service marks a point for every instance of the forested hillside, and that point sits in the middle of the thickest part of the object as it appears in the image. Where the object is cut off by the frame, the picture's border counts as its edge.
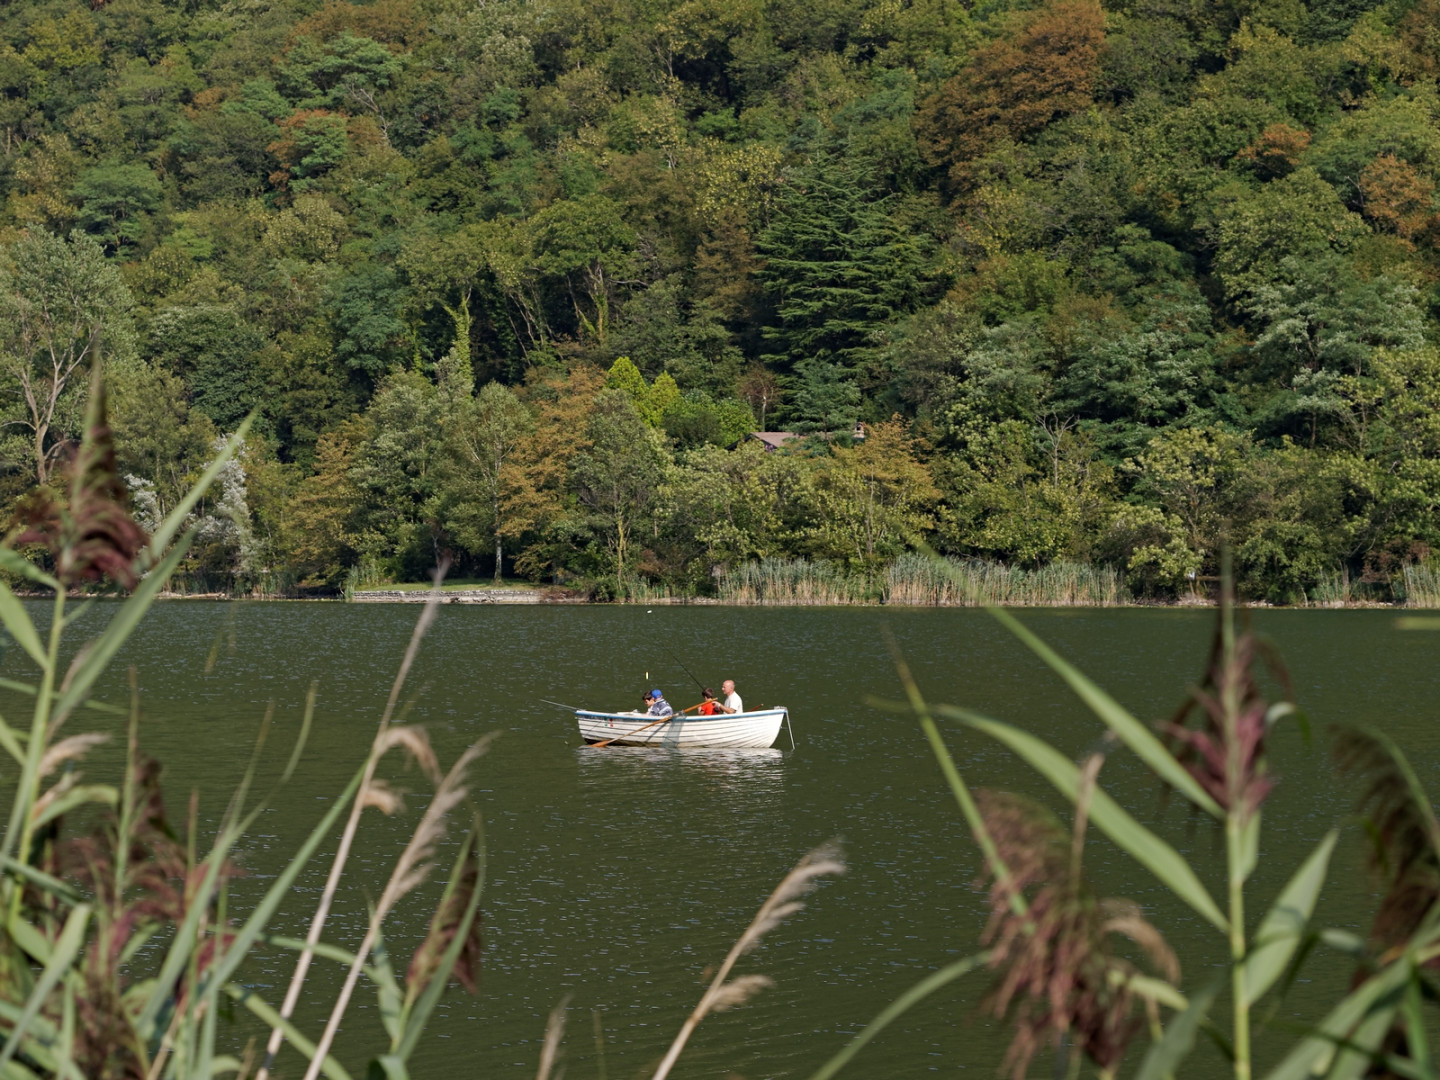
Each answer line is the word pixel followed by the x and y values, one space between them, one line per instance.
pixel 1115 285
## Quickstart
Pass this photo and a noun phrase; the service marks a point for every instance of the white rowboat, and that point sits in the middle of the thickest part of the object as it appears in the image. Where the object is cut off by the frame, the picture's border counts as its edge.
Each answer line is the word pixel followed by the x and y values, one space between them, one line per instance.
pixel 757 729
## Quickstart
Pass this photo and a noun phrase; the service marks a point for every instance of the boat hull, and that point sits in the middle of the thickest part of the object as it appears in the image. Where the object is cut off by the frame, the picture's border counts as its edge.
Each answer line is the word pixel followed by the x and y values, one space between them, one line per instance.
pixel 754 730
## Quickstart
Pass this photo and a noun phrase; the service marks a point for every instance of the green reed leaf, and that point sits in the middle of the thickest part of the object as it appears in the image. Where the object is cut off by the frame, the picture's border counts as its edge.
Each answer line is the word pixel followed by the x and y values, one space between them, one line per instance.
pixel 387 989
pixel 175 520
pixel 249 933
pixel 1157 990
pixel 13 562
pixel 17 621
pixel 104 794
pixel 31 691
pixel 62 956
pixel 37 877
pixel 958 787
pixel 916 994
pixel 41 1036
pixel 1144 846
pixel 1359 1021
pixel 389 1066
pixel 1165 1056
pixel 1137 736
pixel 270 1017
pixel 1281 930
pixel 1417 622
pixel 65 1066
pixel 92 663
pixel 1415 1033
pixel 322 949
pixel 10 742
pixel 1357 1053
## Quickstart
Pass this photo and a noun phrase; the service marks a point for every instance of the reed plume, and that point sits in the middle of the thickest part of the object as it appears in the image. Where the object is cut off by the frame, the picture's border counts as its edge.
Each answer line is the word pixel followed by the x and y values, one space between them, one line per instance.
pixel 1404 832
pixel 411 870
pixel 550 1050
pixel 1218 734
pixel 726 993
pixel 142 882
pixel 370 794
pixel 1056 971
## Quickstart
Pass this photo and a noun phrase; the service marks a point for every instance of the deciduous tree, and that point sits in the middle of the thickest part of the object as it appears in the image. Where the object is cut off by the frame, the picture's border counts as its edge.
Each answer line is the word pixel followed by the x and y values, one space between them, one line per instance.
pixel 59 300
pixel 1044 69
pixel 483 436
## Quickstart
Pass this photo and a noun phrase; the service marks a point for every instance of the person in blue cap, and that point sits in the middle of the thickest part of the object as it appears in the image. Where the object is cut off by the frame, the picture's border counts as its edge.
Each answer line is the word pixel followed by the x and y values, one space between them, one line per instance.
pixel 658 705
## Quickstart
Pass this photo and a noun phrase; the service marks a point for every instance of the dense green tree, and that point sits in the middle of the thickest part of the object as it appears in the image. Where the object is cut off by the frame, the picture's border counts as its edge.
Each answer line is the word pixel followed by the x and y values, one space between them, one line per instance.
pixel 346 72
pixel 116 202
pixel 478 478
pixel 874 500
pixel 617 479
pixel 365 309
pixel 218 353
pixel 840 266
pixel 61 302
pixel 396 470
pixel 1140 280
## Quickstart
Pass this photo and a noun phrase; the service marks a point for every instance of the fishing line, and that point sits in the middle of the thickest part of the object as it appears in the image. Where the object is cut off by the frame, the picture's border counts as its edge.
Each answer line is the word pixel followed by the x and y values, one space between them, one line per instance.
pixel 677 660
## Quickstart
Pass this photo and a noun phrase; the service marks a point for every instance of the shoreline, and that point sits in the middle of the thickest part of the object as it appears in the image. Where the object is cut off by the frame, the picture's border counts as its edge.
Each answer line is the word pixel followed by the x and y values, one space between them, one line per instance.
pixel 563 597
pixel 557 596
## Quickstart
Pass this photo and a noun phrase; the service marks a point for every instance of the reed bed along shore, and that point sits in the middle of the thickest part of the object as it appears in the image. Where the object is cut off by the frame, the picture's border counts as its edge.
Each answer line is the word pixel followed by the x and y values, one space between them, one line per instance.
pixel 795 583
pixel 1422 585
pixel 918 581
pixel 912 580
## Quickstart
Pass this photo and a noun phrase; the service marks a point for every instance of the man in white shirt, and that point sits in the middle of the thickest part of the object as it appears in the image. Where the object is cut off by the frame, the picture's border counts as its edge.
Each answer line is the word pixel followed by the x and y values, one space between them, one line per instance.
pixel 732 702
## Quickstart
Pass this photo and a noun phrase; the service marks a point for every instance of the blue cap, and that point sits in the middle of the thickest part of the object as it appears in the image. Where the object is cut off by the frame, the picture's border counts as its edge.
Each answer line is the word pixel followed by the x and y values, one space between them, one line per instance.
pixel 656 693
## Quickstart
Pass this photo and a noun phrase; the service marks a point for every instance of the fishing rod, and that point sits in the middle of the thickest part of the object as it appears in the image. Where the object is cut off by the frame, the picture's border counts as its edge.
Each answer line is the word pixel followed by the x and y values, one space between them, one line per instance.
pixel 559 705
pixel 677 660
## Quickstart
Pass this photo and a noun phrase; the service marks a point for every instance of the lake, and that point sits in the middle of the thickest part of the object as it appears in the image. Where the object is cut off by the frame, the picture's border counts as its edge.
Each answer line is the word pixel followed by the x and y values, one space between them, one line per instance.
pixel 617 877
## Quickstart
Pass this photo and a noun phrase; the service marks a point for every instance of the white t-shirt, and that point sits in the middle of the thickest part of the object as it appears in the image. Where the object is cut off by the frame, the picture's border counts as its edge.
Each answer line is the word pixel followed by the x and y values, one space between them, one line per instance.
pixel 732 701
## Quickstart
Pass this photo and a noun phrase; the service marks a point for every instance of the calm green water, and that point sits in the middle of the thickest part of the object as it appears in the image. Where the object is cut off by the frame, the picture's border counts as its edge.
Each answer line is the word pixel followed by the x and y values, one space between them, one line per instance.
pixel 617 877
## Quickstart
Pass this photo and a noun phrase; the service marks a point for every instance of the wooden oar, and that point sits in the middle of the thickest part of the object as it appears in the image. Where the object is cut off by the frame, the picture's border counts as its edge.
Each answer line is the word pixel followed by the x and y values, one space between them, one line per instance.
pixel 662 720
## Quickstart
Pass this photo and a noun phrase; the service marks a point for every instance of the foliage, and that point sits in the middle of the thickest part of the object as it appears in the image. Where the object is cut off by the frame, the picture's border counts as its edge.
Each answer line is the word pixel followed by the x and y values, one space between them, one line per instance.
pixel 1046 235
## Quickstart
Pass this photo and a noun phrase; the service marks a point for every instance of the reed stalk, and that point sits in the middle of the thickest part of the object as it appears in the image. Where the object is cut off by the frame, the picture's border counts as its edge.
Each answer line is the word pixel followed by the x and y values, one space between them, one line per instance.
pixel 781 904
pixel 554 1032
pixel 794 582
pixel 1422 585
pixel 411 870
pixel 365 797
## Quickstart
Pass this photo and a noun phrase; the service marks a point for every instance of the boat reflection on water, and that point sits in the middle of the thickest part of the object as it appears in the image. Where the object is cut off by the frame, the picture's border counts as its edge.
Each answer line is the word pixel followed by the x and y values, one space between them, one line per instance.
pixel 747 776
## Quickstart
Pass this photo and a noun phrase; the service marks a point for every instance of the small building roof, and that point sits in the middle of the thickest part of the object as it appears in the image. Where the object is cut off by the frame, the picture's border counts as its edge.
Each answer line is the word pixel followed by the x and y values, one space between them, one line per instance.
pixel 773 439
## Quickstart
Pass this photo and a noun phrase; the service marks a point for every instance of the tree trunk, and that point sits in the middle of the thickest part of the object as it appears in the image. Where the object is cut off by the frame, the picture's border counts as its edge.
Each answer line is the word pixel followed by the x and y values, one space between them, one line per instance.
pixel 495 508
pixel 42 474
pixel 620 550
